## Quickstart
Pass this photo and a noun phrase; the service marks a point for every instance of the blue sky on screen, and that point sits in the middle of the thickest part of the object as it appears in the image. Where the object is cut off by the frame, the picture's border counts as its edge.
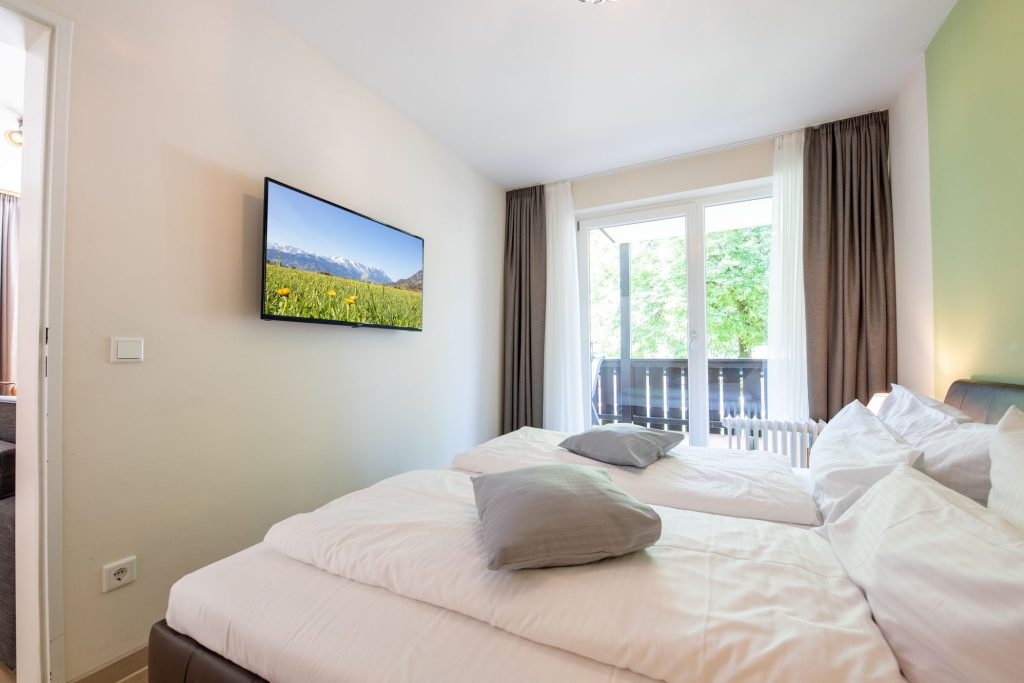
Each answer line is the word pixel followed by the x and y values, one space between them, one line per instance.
pixel 309 224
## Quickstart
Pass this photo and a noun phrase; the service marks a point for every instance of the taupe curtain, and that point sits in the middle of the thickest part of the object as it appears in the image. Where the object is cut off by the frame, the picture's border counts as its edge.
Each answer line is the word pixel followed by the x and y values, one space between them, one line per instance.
pixel 10 216
pixel 849 269
pixel 524 304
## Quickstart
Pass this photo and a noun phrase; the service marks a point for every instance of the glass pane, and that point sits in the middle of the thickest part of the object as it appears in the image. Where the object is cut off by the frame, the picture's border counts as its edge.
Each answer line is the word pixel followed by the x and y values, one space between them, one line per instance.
pixel 657 314
pixel 737 247
pixel 604 296
pixel 659 328
pixel 648 385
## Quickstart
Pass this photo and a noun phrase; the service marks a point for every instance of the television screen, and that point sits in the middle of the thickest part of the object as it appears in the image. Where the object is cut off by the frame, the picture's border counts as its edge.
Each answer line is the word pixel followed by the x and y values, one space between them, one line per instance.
pixel 323 263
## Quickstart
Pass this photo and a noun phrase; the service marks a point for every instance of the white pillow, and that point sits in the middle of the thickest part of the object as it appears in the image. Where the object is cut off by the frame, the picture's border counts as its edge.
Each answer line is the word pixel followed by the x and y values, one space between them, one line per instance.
pixel 959 458
pixel 853 452
pixel 944 578
pixel 954 413
pixel 954 454
pixel 1007 497
pixel 910 417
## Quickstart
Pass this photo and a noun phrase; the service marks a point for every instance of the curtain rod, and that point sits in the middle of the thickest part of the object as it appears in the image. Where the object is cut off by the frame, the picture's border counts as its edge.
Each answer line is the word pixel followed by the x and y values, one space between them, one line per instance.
pixel 10 192
pixel 708 150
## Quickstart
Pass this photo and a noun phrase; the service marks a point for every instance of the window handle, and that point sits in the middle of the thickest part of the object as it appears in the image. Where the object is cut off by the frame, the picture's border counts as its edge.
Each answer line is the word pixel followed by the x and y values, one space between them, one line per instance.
pixel 693 338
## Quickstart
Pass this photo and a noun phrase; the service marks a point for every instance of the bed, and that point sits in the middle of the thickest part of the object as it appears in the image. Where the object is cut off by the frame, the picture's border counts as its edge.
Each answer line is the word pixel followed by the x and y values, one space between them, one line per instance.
pixel 718 598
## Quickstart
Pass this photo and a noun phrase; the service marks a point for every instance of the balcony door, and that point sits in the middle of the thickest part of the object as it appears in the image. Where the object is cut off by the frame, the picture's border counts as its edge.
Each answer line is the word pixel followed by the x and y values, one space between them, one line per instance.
pixel 675 312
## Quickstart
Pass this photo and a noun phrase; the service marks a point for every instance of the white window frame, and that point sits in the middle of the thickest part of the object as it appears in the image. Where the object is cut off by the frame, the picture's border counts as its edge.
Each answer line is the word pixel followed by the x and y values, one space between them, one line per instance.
pixel 690 205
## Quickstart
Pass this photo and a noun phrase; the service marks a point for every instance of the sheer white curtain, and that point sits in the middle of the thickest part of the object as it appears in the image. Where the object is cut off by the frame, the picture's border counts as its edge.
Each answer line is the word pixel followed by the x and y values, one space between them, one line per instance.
pixel 566 394
pixel 787 325
pixel 10 217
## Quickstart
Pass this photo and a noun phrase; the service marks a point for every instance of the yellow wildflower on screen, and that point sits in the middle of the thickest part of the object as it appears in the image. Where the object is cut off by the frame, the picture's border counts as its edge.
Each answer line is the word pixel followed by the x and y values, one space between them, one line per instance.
pixel 351 299
pixel 284 291
pixel 331 292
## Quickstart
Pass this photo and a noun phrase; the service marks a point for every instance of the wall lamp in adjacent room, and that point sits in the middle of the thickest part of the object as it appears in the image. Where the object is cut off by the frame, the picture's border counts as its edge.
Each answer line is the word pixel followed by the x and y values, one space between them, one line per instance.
pixel 13 136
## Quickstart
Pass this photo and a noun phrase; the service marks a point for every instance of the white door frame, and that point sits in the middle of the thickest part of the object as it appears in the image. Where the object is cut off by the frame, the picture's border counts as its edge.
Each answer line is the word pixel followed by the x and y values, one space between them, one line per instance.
pixel 692 206
pixel 38 544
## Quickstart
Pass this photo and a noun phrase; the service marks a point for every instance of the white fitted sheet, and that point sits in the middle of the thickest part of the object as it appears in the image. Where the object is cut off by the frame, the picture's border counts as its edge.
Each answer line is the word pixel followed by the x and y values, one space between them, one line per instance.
pixel 290 622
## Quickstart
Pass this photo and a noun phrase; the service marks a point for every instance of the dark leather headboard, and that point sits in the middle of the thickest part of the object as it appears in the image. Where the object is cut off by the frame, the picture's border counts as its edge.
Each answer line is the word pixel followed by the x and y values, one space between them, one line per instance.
pixel 985 401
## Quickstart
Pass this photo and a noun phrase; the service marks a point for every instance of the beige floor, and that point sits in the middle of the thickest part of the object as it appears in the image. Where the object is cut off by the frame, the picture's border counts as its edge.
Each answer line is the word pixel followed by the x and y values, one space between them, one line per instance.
pixel 7 676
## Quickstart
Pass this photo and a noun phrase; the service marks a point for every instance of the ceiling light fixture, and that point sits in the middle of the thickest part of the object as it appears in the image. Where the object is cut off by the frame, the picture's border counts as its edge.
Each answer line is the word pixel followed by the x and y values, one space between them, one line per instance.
pixel 597 2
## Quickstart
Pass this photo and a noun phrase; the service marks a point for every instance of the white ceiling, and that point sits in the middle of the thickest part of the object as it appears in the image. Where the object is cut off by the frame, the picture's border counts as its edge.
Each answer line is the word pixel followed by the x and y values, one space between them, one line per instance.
pixel 531 91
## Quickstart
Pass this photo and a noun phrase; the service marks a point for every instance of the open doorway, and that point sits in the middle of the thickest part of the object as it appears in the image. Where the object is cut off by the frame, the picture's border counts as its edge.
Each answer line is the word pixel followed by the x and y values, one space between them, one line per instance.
pixel 12 111
pixel 35 62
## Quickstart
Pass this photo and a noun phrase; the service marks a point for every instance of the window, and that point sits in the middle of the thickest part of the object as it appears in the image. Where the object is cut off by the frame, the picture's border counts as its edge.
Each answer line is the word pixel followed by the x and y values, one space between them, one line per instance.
pixel 677 312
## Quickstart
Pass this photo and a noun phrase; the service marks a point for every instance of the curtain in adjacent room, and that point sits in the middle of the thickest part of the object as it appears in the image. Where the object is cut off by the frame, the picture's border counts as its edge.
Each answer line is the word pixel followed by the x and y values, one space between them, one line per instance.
pixel 849 269
pixel 787 327
pixel 566 392
pixel 525 295
pixel 10 216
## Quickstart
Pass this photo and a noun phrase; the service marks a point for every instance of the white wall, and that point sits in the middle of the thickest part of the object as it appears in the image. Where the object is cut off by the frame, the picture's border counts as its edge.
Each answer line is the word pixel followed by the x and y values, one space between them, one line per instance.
pixel 178 109
pixel 694 172
pixel 911 204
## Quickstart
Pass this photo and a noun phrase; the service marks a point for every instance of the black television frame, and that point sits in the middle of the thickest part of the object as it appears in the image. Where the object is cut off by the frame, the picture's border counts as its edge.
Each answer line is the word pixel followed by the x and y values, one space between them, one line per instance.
pixel 263 265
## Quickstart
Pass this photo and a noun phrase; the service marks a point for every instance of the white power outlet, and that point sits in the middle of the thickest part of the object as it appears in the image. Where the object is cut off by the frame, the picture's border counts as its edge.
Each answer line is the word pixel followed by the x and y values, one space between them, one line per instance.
pixel 117 574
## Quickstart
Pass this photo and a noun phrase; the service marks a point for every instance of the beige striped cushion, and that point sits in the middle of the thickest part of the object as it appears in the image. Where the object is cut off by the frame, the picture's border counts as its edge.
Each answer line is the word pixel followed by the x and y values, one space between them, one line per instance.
pixel 1007 452
pixel 559 515
pixel 623 444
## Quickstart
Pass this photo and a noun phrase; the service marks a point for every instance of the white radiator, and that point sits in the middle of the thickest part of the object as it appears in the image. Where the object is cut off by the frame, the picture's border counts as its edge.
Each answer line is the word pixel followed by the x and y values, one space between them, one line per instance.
pixel 787 437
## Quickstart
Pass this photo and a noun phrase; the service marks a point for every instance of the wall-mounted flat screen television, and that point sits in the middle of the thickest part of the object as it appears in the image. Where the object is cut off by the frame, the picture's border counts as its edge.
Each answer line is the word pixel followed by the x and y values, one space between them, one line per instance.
pixel 323 263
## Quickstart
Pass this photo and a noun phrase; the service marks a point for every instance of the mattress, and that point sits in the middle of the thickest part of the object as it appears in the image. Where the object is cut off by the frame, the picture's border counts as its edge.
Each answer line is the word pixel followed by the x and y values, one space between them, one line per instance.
pixel 290 622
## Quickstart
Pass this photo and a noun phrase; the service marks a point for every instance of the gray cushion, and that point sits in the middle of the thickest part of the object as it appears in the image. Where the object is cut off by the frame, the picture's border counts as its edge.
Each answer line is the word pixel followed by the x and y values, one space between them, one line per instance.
pixel 7 456
pixel 8 420
pixel 559 515
pixel 623 444
pixel 8 652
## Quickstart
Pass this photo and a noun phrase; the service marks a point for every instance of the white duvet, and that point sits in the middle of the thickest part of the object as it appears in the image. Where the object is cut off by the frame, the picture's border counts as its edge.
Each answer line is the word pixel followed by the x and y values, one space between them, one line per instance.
pixel 716 599
pixel 754 484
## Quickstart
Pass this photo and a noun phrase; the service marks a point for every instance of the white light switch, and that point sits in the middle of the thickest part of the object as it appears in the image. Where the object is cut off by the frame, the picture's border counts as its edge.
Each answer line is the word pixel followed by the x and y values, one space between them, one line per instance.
pixel 126 349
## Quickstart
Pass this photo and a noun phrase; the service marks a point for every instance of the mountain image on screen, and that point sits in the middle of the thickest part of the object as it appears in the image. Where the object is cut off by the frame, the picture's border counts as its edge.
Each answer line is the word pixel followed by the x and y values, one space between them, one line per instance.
pixel 414 282
pixel 339 266
pixel 325 263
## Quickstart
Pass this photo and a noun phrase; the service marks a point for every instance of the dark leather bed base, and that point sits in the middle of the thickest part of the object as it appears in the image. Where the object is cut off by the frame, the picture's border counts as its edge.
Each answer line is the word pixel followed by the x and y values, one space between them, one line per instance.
pixel 984 401
pixel 174 658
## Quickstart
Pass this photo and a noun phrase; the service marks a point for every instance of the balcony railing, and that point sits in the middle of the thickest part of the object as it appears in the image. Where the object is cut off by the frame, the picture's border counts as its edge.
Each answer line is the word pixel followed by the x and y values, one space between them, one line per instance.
pixel 655 392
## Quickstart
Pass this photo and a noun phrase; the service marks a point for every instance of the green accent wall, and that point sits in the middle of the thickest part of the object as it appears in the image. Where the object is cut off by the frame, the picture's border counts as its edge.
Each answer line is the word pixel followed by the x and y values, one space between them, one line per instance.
pixel 975 72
